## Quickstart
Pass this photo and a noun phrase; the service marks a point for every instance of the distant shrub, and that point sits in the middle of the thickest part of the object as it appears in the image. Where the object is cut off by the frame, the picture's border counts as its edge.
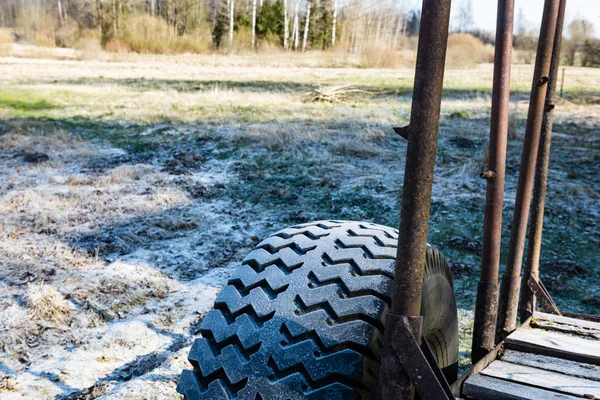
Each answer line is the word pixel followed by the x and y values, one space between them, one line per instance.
pixel 73 36
pixel 591 53
pixel 464 51
pixel 146 34
pixel 525 49
pixel 117 46
pixel 88 40
pixel 242 41
pixel 67 35
pixel 5 37
pixel 42 40
pixel 270 44
pixel 376 55
pixel 487 54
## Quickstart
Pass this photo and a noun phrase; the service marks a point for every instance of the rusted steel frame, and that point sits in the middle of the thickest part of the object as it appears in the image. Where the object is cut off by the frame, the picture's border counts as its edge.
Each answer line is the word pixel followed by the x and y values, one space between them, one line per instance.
pixel 532 266
pixel 435 369
pixel 417 364
pixel 422 134
pixel 539 291
pixel 511 280
pixel 484 327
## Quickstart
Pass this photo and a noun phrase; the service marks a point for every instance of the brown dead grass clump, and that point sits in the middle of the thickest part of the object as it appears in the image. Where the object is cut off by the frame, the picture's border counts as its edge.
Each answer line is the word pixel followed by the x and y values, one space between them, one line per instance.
pixel 464 51
pixel 117 46
pixel 42 40
pixel 146 34
pixel 5 37
pixel 45 303
pixel 6 40
pixel 376 55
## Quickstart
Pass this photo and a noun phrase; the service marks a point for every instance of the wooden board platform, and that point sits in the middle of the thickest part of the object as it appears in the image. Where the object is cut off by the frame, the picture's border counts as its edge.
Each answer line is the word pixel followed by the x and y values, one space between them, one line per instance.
pixel 554 358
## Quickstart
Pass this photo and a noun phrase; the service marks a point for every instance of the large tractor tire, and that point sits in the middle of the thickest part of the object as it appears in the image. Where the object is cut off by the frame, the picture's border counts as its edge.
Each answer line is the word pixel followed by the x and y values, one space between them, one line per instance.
pixel 303 317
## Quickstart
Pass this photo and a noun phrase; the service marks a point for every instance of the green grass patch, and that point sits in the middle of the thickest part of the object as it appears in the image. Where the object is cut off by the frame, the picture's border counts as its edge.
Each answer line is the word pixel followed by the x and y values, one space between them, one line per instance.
pixel 23 103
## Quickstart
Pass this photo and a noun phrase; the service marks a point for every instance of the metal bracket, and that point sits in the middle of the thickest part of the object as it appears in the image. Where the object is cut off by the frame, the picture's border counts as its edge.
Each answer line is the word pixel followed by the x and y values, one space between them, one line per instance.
pixel 541 293
pixel 417 361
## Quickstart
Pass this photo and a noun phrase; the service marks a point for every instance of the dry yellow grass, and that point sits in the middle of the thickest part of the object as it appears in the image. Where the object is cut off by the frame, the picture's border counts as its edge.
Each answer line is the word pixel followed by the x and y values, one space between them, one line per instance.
pixel 45 304
pixel 5 37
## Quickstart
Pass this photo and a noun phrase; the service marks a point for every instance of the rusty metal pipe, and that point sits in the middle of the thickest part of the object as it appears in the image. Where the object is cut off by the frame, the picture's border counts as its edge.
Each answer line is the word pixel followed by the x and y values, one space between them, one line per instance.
pixel 422 134
pixel 509 290
pixel 484 327
pixel 420 158
pixel 532 267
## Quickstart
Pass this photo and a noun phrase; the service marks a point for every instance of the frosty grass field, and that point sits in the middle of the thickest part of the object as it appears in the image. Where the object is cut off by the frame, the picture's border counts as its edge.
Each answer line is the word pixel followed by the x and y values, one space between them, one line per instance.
pixel 131 188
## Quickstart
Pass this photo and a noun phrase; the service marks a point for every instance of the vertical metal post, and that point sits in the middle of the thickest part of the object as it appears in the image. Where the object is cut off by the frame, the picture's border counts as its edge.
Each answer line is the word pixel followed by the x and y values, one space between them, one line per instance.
pixel 527 301
pixel 422 134
pixel 484 327
pixel 511 281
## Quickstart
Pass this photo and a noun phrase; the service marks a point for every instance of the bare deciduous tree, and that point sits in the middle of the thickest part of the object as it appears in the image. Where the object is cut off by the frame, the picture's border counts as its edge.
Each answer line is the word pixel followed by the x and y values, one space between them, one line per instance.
pixel 286 25
pixel 231 21
pixel 465 16
pixel 296 28
pixel 334 24
pixel 253 24
pixel 580 31
pixel 306 26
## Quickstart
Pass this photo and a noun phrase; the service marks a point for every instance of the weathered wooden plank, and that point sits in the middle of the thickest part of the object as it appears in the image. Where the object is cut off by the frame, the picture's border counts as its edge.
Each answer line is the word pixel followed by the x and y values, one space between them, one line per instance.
pixel 562 320
pixel 570 329
pixel 555 344
pixel 587 317
pixel 564 324
pixel 475 369
pixel 541 378
pixel 567 367
pixel 487 388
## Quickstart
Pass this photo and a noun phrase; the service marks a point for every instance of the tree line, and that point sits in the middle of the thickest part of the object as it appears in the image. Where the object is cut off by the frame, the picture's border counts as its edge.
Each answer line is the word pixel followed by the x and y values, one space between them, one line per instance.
pixel 295 25
pixel 171 26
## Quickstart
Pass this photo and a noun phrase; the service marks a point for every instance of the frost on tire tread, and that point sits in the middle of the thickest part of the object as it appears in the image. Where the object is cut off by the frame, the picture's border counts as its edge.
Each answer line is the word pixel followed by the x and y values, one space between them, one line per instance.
pixel 301 318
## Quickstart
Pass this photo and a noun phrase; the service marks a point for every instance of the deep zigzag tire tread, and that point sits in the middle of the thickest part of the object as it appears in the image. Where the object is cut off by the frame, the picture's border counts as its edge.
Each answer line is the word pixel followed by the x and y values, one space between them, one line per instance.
pixel 303 317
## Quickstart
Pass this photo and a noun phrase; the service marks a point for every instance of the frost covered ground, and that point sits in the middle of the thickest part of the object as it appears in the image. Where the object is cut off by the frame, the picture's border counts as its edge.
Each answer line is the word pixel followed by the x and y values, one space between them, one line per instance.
pixel 130 189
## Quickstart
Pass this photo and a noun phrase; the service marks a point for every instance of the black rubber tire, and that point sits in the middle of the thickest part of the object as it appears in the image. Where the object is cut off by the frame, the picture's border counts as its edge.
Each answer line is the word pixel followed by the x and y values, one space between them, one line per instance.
pixel 303 317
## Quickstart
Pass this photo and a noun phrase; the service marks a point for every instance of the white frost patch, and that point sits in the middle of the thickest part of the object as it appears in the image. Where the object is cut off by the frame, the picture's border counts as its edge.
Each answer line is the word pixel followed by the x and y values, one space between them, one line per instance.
pixel 158 385
pixel 128 259
pixel 112 347
pixel 27 383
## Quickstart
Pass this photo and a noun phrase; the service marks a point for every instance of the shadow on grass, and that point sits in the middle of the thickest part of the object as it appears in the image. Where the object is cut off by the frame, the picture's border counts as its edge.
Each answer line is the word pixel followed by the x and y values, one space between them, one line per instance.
pixel 394 88
pixel 293 183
